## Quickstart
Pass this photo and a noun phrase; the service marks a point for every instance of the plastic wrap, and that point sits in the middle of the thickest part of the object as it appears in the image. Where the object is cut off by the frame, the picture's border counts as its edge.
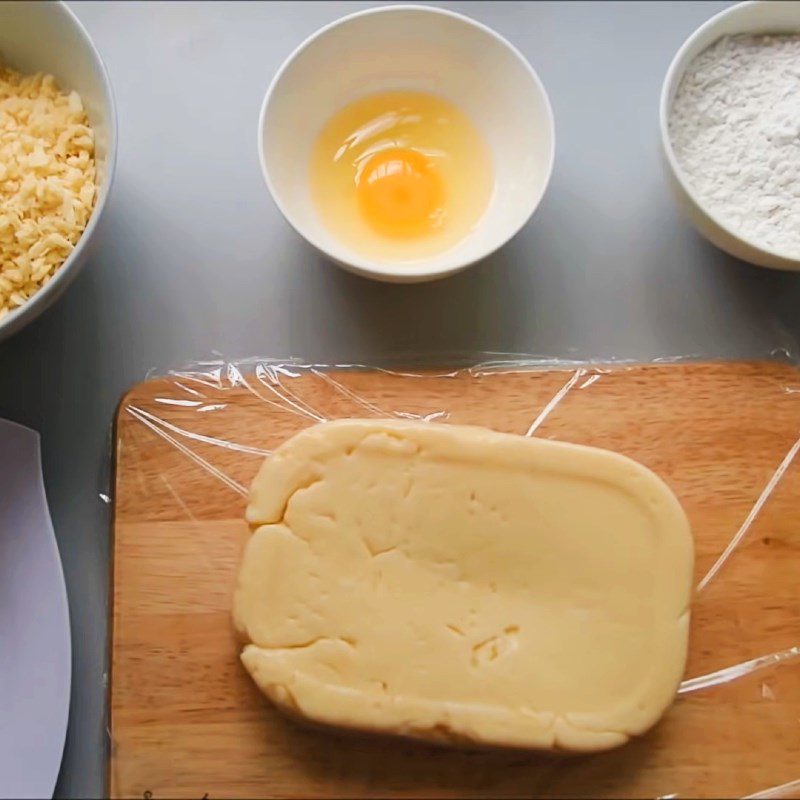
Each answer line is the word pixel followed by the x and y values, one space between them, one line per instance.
pixel 752 684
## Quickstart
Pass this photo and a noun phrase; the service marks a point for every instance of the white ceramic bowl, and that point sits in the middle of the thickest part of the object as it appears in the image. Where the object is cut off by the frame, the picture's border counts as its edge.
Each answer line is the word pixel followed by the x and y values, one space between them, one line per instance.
pixel 755 16
pixel 47 37
pixel 423 49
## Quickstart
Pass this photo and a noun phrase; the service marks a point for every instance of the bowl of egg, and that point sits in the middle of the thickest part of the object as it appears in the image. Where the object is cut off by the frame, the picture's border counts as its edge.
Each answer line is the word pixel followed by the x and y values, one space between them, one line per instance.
pixel 57 153
pixel 406 142
pixel 730 131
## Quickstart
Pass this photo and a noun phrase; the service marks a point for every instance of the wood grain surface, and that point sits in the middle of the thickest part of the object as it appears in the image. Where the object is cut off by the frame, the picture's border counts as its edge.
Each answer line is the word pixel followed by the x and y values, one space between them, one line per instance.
pixel 186 720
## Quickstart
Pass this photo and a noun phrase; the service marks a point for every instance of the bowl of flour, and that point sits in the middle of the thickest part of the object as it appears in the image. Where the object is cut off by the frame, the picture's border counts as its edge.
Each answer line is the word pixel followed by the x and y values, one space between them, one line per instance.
pixel 730 130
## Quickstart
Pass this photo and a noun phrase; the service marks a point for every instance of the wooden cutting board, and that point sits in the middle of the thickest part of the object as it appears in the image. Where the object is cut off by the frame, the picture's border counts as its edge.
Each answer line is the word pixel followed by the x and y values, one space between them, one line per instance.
pixel 185 719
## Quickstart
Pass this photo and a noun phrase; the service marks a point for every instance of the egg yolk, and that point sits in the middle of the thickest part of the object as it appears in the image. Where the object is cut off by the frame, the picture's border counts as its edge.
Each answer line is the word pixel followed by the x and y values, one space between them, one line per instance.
pixel 400 192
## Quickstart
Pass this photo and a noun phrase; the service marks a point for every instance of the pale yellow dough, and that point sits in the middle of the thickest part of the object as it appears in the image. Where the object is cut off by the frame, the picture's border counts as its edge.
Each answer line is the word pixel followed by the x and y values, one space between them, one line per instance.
pixel 462 585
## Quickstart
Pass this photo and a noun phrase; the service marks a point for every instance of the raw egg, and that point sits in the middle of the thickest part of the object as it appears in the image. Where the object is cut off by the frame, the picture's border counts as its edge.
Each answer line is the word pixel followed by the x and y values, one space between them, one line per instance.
pixel 400 175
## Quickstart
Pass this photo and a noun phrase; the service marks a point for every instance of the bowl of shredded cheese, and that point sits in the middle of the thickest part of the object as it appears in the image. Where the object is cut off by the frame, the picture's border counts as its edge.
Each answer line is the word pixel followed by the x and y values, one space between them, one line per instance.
pixel 57 154
pixel 730 131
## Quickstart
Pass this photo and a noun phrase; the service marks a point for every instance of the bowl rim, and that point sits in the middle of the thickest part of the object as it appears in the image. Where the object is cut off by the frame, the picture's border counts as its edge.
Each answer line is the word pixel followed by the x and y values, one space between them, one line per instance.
pixel 403 270
pixel 69 269
pixel 674 76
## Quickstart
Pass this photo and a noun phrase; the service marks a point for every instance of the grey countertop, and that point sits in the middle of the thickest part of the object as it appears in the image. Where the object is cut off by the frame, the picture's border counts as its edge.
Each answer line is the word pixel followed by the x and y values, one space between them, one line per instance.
pixel 193 259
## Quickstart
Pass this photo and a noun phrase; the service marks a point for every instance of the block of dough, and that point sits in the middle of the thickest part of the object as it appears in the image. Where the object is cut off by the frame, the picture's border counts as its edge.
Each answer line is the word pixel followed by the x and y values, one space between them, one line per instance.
pixel 465 586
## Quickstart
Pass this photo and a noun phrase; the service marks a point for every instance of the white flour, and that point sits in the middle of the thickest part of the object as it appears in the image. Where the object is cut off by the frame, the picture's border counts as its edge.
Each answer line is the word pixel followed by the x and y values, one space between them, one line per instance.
pixel 735 130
